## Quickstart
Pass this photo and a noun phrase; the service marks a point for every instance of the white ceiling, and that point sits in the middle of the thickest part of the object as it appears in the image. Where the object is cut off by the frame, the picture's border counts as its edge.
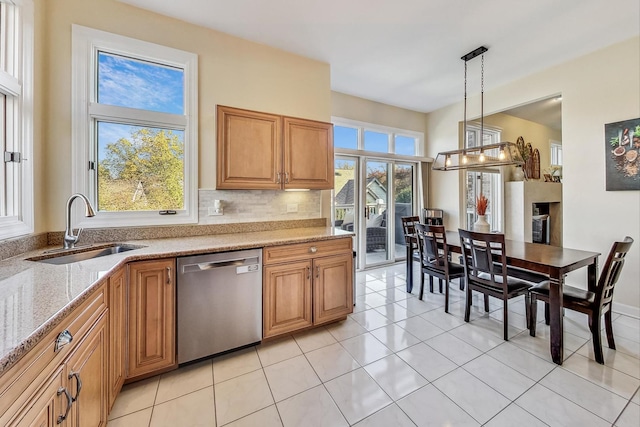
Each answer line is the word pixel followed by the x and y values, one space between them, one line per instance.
pixel 407 52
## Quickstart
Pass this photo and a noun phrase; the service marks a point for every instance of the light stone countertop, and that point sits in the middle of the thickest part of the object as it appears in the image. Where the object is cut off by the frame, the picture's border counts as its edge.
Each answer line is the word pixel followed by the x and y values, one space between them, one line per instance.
pixel 35 296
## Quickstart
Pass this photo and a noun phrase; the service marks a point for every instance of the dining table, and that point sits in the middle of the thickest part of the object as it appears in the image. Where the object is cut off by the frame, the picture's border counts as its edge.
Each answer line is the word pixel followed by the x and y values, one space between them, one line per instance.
pixel 554 261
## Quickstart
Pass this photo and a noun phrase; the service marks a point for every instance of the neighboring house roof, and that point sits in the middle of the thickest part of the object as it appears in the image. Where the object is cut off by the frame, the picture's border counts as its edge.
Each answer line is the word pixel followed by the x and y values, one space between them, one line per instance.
pixel 345 195
pixel 375 191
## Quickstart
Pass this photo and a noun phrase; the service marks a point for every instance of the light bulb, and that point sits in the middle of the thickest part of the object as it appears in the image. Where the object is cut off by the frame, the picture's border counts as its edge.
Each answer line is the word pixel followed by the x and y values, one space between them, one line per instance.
pixel 481 158
pixel 502 155
pixel 464 159
pixel 447 161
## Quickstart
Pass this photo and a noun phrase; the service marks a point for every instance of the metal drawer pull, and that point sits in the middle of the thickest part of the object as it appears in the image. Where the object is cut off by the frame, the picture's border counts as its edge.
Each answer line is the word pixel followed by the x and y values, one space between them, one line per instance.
pixel 63 339
pixel 61 418
pixel 286 177
pixel 79 388
pixel 317 272
pixel 313 249
pixel 308 273
pixel 278 181
pixel 168 275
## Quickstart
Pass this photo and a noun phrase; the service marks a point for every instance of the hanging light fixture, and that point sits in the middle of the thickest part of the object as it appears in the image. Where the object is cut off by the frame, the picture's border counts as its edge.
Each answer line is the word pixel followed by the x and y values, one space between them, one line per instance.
pixel 500 154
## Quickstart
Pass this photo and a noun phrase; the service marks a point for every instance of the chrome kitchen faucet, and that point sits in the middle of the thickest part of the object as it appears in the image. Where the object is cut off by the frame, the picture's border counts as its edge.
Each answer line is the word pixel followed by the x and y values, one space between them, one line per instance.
pixel 71 239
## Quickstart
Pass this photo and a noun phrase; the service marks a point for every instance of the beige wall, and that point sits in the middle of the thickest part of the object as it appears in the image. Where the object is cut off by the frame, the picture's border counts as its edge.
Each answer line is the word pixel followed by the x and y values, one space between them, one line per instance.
pixel 538 135
pixel 594 92
pixel 364 110
pixel 232 72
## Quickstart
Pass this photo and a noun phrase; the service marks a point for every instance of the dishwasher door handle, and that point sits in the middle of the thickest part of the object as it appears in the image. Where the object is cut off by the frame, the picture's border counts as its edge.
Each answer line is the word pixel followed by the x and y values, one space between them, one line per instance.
pixel 203 266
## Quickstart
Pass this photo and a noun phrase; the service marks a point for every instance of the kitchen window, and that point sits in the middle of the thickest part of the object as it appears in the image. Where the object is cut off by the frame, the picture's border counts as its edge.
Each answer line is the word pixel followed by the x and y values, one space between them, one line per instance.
pixel 134 130
pixel 16 117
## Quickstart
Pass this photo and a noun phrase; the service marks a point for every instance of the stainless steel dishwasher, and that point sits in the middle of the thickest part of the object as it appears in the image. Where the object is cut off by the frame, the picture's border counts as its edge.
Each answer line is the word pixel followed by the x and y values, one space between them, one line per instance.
pixel 219 302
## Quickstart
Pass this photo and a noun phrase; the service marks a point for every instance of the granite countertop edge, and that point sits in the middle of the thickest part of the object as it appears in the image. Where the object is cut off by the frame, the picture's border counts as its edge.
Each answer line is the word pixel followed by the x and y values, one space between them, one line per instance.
pixel 102 268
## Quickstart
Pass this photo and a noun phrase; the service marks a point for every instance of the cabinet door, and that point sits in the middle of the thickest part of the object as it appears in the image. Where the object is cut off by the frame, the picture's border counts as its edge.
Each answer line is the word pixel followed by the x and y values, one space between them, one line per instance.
pixel 286 297
pixel 117 332
pixel 152 325
pixel 249 150
pixel 87 378
pixel 46 406
pixel 332 288
pixel 308 154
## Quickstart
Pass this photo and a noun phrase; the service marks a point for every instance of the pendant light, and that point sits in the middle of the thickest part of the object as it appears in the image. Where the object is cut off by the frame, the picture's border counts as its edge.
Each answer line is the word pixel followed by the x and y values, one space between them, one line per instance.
pixel 500 154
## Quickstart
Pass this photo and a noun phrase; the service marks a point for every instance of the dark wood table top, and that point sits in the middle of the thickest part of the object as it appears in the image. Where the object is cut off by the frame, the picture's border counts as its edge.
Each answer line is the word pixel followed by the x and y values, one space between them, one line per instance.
pixel 536 256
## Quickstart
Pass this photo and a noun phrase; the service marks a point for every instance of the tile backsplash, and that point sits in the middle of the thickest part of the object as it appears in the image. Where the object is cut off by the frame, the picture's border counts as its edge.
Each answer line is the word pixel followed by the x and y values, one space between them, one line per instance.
pixel 258 205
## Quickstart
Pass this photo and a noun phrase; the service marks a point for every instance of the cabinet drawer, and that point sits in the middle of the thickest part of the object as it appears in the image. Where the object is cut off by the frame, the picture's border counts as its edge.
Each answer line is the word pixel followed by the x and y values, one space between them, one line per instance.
pixel 299 251
pixel 22 376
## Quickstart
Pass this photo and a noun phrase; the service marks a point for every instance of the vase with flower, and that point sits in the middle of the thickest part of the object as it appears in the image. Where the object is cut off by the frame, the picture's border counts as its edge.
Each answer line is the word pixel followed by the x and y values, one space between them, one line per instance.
pixel 482 225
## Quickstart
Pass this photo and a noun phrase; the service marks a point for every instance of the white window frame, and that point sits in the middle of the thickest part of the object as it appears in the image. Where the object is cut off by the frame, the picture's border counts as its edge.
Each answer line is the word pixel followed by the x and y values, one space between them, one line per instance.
pixel 555 153
pixel 497 180
pixel 390 131
pixel 16 85
pixel 86 112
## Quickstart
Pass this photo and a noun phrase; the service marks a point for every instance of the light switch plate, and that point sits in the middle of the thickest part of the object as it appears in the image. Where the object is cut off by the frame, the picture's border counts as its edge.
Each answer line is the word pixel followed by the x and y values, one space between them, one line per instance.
pixel 292 207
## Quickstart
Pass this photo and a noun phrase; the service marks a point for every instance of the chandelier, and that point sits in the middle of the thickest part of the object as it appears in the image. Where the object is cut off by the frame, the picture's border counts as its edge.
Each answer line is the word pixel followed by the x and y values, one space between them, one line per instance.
pixel 500 154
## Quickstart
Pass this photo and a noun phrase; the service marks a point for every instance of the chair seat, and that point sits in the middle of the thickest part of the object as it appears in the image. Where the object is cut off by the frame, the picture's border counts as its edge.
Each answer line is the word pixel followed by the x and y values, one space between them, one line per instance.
pixel 513 284
pixel 454 269
pixel 569 293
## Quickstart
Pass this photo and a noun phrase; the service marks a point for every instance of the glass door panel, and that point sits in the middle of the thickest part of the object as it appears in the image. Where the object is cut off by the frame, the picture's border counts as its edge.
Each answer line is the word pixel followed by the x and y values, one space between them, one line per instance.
pixel 345 193
pixel 376 199
pixel 403 185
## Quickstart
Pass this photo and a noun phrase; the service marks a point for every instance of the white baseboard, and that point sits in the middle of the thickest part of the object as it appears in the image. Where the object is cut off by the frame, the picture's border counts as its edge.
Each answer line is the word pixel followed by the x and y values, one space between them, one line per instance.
pixel 627 310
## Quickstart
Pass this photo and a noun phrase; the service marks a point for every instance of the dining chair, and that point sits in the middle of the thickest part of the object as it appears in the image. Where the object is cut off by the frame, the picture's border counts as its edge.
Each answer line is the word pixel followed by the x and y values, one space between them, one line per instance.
pixel 594 303
pixel 411 243
pixel 435 260
pixel 480 253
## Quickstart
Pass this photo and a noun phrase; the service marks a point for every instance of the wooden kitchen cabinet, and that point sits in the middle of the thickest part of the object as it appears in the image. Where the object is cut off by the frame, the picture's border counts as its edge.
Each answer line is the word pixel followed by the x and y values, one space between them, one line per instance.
pixel 308 154
pixel 249 150
pixel 87 379
pixel 286 298
pixel 117 333
pixel 258 151
pixel 46 406
pixel 306 284
pixel 332 288
pixel 42 389
pixel 152 321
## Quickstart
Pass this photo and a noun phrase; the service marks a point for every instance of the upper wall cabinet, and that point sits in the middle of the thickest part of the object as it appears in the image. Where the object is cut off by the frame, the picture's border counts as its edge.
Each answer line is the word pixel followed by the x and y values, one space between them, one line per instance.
pixel 261 151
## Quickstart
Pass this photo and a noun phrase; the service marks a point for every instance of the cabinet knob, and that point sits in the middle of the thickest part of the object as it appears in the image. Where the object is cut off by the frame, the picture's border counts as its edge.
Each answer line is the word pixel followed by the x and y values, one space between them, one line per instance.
pixel 313 250
pixel 63 339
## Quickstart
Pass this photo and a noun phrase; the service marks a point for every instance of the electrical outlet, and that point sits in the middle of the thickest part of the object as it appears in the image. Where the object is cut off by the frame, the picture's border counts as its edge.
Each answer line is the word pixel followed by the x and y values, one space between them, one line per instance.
pixel 211 211
pixel 292 207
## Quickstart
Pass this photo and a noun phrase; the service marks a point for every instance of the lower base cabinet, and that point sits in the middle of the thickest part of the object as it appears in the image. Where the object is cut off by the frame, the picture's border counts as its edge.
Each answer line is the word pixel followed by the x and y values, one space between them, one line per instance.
pixel 152 317
pixel 306 284
pixel 86 375
pixel 75 394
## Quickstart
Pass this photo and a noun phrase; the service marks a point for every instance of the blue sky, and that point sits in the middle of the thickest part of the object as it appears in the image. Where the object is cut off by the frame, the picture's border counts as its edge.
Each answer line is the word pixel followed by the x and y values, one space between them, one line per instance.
pixel 126 82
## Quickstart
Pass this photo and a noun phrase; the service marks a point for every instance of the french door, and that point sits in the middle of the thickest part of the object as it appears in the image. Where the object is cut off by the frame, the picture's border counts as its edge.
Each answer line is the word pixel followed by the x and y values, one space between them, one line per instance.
pixel 370 196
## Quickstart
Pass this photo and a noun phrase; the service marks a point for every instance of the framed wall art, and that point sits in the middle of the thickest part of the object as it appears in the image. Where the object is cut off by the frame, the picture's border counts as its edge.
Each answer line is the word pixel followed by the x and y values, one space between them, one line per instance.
pixel 622 146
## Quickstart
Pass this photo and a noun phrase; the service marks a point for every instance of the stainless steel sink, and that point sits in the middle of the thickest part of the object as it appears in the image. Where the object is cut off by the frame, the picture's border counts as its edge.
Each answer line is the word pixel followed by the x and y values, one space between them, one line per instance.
pixel 83 254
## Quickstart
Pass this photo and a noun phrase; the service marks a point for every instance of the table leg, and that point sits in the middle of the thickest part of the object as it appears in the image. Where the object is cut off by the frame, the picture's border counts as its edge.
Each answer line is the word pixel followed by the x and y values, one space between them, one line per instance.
pixel 555 315
pixel 409 273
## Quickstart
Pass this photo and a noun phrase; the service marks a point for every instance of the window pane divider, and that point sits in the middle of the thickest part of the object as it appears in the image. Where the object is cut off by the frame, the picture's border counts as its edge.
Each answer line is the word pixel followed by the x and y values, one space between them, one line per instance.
pixel 133 116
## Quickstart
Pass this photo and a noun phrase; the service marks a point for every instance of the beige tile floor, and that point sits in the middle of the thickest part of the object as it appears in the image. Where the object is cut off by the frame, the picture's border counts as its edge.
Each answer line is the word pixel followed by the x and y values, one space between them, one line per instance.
pixel 398 361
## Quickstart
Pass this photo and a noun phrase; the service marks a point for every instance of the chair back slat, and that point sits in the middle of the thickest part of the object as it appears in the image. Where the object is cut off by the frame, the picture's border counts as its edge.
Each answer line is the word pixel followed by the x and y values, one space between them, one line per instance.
pixel 480 251
pixel 611 271
pixel 408 224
